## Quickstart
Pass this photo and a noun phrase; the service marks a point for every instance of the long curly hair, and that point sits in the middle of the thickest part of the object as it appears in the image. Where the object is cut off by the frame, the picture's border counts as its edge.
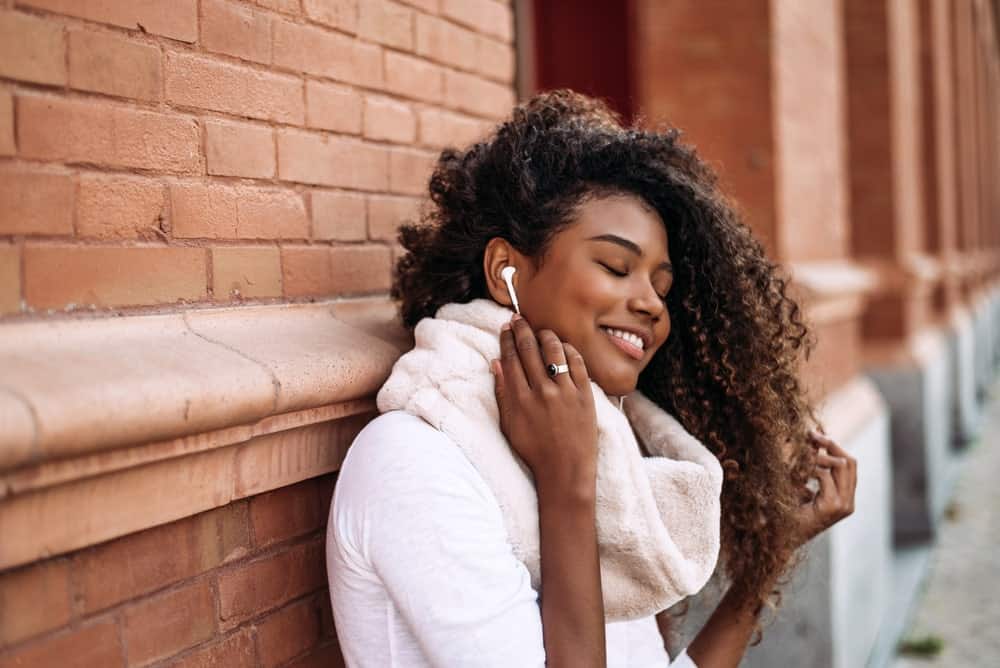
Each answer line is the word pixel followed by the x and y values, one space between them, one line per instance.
pixel 728 370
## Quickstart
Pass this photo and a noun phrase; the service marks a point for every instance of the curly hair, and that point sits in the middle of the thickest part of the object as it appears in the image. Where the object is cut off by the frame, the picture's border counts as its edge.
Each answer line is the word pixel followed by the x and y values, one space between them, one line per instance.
pixel 728 370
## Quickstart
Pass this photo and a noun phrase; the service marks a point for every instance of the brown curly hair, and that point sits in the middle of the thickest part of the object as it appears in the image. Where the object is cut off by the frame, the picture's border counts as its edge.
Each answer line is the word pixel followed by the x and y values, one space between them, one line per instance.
pixel 728 370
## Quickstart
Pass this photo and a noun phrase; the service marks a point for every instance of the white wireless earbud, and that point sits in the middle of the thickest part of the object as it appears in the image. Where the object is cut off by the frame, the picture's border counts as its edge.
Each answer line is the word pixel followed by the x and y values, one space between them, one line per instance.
pixel 506 273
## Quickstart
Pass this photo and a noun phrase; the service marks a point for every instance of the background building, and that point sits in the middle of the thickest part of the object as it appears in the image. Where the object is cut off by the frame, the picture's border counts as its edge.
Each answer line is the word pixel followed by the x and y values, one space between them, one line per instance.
pixel 198 206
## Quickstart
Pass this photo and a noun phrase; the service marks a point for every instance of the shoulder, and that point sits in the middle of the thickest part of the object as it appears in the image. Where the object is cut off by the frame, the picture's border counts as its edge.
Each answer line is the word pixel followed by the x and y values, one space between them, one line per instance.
pixel 399 458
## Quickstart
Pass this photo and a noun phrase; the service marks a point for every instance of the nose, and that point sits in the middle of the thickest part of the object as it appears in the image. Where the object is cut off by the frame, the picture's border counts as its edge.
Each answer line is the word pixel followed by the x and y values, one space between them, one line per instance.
pixel 646 300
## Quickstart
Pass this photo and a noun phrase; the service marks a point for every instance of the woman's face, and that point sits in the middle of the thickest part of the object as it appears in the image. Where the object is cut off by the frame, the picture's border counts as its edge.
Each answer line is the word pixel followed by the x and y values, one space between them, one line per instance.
pixel 608 270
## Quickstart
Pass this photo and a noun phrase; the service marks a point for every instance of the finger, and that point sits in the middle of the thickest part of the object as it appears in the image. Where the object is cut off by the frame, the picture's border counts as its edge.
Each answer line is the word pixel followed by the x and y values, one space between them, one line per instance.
pixel 828 497
pixel 838 467
pixel 553 353
pixel 577 368
pixel 529 352
pixel 514 379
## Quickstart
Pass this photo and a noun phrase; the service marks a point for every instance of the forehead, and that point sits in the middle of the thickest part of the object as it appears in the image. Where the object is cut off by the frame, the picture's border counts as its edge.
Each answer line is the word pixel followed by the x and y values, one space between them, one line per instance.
pixel 626 216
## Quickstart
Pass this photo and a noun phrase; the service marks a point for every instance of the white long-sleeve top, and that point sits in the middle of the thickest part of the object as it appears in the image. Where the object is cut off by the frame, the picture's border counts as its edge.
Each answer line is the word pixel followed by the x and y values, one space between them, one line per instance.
pixel 420 568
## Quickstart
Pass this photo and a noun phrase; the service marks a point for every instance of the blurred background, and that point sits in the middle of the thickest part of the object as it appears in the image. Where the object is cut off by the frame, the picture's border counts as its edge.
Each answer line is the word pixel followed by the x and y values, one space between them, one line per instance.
pixel 198 208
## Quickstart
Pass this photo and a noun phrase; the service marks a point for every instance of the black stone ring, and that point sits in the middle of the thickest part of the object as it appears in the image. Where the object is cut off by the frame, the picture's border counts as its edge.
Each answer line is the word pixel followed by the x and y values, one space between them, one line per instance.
pixel 553 369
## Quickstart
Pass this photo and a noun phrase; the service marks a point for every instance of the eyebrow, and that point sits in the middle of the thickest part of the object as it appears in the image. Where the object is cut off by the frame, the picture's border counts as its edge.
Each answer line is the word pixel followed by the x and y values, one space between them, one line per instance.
pixel 629 245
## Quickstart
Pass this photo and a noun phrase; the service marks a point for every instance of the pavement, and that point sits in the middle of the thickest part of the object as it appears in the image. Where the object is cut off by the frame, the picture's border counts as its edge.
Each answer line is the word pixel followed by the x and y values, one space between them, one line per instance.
pixel 955 620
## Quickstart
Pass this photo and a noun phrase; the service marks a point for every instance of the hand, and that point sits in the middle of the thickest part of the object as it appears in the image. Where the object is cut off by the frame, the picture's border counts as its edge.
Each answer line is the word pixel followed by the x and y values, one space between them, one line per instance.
pixel 837 473
pixel 549 422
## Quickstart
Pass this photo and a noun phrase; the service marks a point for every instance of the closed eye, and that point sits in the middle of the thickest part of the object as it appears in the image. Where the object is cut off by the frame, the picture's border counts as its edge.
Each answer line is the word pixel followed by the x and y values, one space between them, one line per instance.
pixel 622 274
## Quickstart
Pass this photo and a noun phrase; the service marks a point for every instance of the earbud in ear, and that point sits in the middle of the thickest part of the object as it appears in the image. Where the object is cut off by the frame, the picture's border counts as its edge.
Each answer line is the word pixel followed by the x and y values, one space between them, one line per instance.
pixel 506 274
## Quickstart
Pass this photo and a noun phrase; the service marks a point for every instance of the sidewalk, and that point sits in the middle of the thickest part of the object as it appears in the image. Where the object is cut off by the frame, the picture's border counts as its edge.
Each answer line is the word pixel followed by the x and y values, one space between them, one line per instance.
pixel 960 601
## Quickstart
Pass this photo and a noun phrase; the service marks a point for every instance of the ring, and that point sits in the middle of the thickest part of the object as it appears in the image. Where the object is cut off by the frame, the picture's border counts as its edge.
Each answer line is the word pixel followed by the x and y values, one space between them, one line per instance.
pixel 554 369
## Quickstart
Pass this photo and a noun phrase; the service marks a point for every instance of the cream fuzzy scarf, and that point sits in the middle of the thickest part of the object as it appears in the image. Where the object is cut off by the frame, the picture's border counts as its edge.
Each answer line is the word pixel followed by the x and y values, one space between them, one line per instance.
pixel 657 517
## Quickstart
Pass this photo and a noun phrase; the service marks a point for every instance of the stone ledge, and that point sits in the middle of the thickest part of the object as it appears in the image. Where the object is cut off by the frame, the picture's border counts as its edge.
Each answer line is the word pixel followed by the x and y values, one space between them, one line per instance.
pixel 75 387
pixel 831 291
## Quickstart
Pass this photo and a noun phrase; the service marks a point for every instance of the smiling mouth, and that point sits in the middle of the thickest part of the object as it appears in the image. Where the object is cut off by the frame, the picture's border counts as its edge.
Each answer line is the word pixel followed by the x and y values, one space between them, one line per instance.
pixel 629 349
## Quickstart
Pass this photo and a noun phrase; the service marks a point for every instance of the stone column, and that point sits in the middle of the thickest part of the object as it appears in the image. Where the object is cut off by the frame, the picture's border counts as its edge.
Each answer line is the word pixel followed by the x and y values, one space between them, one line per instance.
pixel 758 87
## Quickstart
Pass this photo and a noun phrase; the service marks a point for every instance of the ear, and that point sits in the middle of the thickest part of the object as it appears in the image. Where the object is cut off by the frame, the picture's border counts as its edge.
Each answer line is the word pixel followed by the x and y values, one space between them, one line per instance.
pixel 499 254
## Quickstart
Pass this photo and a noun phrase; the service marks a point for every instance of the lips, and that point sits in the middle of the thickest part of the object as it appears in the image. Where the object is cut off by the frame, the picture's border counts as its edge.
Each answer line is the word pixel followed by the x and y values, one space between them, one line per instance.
pixel 629 349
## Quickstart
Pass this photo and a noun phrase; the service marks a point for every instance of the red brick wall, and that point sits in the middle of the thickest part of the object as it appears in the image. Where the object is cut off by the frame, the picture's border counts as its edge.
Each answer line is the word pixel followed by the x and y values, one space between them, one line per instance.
pixel 160 153
pixel 241 585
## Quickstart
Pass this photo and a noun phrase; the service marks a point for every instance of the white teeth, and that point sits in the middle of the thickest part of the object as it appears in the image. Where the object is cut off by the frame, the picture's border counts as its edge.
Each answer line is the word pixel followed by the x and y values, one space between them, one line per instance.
pixel 634 339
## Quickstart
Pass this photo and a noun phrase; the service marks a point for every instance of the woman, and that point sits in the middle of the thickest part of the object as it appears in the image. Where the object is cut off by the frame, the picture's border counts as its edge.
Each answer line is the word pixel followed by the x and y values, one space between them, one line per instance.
pixel 598 339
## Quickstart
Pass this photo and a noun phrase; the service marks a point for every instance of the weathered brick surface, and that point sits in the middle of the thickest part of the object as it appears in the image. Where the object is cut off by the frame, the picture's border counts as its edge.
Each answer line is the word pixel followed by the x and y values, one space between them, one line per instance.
pixel 287 633
pixel 163 625
pixel 35 201
pixel 386 22
pixel 326 53
pixel 73 131
pixel 59 274
pixel 177 19
pixel 236 30
pixel 333 107
pixel 385 213
pixel 342 14
pixel 319 271
pixel 130 207
pixel 7 145
pixel 239 149
pixel 487 16
pixel 332 161
pixel 34 599
pixel 10 278
pixel 206 83
pixel 286 513
pixel 246 272
pixel 31 49
pixel 413 77
pixel 96 644
pixel 338 215
pixel 234 650
pixel 109 64
pixel 215 211
pixel 389 120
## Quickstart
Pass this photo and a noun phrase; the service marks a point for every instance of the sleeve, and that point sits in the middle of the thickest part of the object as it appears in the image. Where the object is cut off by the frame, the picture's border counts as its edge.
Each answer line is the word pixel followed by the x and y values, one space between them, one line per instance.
pixel 682 660
pixel 436 539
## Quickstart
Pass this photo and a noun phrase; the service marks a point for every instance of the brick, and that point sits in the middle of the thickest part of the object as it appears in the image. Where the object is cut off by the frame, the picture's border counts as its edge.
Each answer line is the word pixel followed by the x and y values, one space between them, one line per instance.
pixel 31 49
pixel 110 64
pixel 429 6
pixel 487 16
pixel 106 134
pixel 214 211
pixel 468 92
pixel 326 656
pixel 232 523
pixel 239 149
pixel 410 171
pixel 10 285
pixel 287 6
pixel 439 129
pixel 494 59
pixel 236 30
pixel 246 272
pixel 177 19
pixel 386 213
pixel 288 633
pixel 389 120
pixel 206 83
pixel 326 53
pixel 332 161
pixel 342 14
pixel 235 650
pixel 93 645
pixel 270 214
pixel 445 42
pixel 166 624
pixel 339 216
pixel 56 276
pixel 35 202
pixel 333 107
pixel 285 513
pixel 327 627
pixel 33 599
pixel 257 586
pixel 7 144
pixel 413 77
pixel 199 210
pixel 386 22
pixel 143 562
pixel 322 271
pixel 109 207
